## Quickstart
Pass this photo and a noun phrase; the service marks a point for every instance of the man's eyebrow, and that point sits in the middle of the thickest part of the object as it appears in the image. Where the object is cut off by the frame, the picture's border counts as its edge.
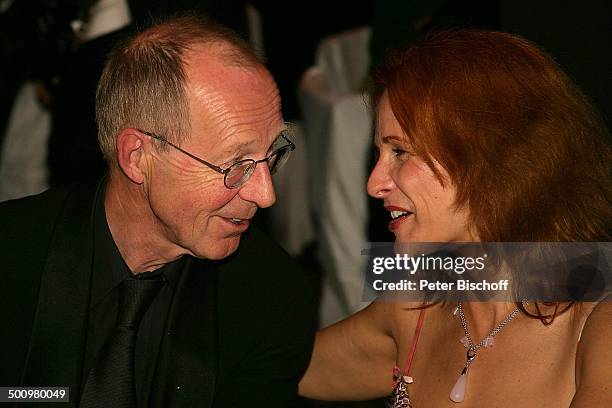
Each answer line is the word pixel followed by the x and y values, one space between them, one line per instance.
pixel 238 149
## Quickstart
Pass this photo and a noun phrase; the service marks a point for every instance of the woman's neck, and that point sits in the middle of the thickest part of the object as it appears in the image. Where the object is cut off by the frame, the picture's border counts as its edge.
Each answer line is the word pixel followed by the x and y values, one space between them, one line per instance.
pixel 482 317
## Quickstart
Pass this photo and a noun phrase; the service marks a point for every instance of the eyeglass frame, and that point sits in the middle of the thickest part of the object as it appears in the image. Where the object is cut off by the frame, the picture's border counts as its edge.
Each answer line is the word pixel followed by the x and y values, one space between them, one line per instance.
pixel 218 169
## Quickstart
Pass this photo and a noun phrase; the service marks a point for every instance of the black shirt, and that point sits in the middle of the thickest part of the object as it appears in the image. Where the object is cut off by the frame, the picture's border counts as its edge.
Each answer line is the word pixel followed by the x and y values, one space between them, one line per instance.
pixel 109 270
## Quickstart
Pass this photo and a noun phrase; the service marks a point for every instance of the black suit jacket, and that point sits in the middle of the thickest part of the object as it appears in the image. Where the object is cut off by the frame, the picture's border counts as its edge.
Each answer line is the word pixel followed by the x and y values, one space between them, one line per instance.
pixel 239 331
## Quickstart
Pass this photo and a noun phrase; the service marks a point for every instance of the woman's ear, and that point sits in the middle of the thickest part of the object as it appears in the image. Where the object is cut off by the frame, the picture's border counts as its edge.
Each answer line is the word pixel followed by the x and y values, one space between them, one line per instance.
pixel 130 154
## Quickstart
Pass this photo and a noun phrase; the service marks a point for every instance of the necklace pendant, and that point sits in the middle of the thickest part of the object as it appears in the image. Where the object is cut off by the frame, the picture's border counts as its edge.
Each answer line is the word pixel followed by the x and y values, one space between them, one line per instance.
pixel 464 340
pixel 470 356
pixel 457 394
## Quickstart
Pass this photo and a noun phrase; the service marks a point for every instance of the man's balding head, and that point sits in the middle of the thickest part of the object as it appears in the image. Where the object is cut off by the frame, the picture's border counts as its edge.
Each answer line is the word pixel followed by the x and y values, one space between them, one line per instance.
pixel 143 84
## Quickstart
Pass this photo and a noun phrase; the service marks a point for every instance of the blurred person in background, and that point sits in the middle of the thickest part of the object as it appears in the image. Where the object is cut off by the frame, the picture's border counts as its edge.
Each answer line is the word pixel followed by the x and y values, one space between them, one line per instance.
pixel 63 45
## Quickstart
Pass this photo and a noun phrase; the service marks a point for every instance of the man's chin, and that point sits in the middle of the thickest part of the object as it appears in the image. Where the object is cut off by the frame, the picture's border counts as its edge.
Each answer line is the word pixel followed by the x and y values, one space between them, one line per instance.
pixel 220 250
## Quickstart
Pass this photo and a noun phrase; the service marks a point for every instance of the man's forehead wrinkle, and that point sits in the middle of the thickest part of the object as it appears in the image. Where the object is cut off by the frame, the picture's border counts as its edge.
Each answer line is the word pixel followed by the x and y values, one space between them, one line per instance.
pixel 215 109
pixel 264 109
pixel 208 63
pixel 231 107
pixel 236 122
pixel 213 101
pixel 241 106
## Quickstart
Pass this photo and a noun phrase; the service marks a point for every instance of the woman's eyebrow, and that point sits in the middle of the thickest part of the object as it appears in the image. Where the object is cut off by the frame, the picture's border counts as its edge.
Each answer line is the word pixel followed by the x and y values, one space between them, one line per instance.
pixel 392 138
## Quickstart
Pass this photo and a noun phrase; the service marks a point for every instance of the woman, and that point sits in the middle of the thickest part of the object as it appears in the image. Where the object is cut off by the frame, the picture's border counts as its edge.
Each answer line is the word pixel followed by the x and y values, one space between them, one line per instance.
pixel 481 137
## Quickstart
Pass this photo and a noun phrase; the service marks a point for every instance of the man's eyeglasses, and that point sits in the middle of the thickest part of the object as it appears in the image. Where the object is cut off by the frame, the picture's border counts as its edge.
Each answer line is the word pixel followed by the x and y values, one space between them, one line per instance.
pixel 238 173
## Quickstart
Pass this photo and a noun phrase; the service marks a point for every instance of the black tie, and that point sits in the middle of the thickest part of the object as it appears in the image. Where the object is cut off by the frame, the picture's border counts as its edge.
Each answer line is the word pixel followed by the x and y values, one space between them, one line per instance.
pixel 110 382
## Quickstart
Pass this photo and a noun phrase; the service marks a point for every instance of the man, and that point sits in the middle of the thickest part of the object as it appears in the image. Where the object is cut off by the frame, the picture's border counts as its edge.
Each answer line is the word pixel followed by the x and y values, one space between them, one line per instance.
pixel 189 121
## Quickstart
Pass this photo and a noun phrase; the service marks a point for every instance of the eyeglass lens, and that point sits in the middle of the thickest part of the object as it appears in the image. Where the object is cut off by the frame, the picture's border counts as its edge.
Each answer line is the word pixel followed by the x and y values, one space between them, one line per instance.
pixel 241 171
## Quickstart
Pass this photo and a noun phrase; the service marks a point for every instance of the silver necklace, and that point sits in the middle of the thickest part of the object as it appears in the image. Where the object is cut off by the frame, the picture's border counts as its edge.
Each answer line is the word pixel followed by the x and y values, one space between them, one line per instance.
pixel 458 392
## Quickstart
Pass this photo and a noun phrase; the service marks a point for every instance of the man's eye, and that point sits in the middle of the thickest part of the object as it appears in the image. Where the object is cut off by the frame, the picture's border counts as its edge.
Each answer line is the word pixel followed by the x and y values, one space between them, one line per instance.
pixel 234 161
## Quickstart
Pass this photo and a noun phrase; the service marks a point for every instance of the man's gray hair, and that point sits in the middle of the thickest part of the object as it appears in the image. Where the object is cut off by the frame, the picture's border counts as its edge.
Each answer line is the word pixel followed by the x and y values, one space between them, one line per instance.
pixel 143 83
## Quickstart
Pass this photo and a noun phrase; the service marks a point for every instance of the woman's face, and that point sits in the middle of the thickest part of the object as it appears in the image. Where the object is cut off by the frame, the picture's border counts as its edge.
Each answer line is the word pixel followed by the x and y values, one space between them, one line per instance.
pixel 421 208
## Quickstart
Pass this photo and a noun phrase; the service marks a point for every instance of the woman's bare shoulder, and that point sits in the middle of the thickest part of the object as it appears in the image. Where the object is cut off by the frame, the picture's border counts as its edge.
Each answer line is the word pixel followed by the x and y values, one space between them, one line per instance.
pixel 403 316
pixel 594 356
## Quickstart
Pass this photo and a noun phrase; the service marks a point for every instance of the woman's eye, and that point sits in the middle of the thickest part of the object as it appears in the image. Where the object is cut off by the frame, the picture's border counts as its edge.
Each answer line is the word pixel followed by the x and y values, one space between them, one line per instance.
pixel 399 152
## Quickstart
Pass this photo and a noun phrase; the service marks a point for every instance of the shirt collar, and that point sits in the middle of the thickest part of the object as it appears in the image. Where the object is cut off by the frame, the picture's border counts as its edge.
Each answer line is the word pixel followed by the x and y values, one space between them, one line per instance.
pixel 109 267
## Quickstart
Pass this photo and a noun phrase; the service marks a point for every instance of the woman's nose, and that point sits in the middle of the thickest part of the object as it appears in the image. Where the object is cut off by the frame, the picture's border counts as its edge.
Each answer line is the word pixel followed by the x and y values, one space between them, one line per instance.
pixel 379 182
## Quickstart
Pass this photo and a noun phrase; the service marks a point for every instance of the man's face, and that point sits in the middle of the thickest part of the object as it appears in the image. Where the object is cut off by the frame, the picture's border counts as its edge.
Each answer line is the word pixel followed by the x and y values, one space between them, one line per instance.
pixel 235 114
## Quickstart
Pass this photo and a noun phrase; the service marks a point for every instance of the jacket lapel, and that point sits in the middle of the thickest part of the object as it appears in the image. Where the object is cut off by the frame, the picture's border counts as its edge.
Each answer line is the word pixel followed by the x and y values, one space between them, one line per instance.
pixel 187 363
pixel 59 332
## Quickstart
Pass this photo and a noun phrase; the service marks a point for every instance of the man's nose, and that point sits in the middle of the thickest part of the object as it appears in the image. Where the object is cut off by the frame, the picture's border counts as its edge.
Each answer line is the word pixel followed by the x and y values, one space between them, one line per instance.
pixel 259 188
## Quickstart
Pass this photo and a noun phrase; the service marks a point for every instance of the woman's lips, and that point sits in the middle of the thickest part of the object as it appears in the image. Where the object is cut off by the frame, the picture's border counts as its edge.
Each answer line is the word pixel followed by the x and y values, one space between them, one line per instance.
pixel 395 223
pixel 399 215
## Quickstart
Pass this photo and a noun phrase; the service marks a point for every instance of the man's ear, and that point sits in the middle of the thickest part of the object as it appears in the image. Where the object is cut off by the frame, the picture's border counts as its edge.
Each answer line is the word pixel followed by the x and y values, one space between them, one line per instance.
pixel 130 154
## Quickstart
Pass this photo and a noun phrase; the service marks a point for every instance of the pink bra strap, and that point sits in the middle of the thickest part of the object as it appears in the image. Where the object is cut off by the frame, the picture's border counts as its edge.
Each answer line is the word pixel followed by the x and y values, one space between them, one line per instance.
pixel 415 340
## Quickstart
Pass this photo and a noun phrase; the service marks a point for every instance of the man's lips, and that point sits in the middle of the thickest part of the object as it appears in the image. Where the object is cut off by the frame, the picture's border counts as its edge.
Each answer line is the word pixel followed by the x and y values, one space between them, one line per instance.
pixel 239 224
pixel 237 220
pixel 398 215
